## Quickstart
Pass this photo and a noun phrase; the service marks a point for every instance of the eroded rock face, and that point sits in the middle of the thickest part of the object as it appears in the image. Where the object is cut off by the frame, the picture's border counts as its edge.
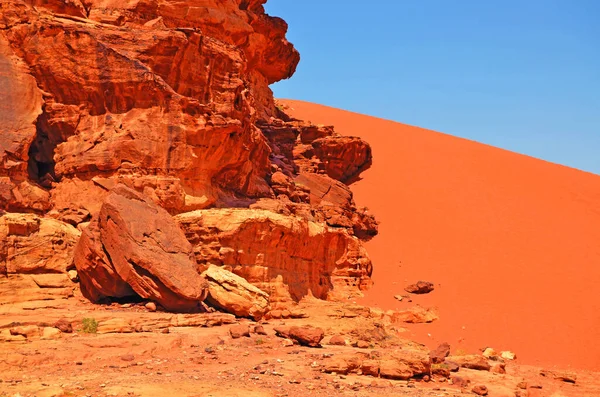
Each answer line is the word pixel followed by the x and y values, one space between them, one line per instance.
pixel 172 100
pixel 30 244
pixel 145 95
pixel 286 256
pixel 138 248
pixel 35 256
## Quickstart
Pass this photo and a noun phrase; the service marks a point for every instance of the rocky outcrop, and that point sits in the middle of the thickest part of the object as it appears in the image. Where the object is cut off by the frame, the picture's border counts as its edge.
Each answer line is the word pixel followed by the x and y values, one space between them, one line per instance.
pixel 35 255
pixel 135 247
pixel 235 295
pixel 403 364
pixel 174 95
pixel 30 244
pixel 285 256
pixel 171 100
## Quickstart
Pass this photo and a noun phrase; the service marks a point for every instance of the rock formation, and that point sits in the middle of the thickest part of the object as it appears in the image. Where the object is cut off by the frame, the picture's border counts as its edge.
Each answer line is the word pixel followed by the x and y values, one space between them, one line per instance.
pixel 35 256
pixel 135 247
pixel 287 256
pixel 172 100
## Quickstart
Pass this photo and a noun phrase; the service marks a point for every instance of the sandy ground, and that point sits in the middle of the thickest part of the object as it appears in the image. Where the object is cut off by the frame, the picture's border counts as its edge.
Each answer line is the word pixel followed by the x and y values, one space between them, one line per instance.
pixel 512 243
pixel 201 361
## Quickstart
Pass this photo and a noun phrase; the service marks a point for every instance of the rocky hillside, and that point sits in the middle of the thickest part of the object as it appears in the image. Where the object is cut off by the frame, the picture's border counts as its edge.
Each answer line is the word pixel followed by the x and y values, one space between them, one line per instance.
pixel 148 128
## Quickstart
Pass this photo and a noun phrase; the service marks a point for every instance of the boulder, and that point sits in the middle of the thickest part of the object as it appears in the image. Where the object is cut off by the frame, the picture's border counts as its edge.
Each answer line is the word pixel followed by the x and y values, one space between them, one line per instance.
pixel 440 353
pixel 508 355
pixel 472 361
pixel 337 340
pixel 342 363
pixel 421 287
pixel 405 364
pixel 239 331
pixel 480 390
pixel 134 246
pixel 234 294
pixel 305 336
pixel 64 325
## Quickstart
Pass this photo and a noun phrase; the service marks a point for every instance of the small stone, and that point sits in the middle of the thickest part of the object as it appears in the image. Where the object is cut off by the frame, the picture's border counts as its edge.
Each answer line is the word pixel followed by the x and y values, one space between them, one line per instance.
pixel 522 385
pixel 287 343
pixel 398 297
pixel 239 331
pixel 337 340
pixel 73 276
pixel 508 355
pixel 64 326
pixel 165 330
pixel 260 330
pixel 489 353
pixel 151 306
pixel 286 314
pixel 27 331
pixel 440 353
pixel 460 382
pixel 361 344
pixel 128 357
pixel 561 376
pixel 498 368
pixel 50 333
pixel 421 287
pixel 480 390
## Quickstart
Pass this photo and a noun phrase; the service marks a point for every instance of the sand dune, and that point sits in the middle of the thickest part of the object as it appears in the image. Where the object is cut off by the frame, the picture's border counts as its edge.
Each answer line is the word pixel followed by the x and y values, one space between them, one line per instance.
pixel 511 242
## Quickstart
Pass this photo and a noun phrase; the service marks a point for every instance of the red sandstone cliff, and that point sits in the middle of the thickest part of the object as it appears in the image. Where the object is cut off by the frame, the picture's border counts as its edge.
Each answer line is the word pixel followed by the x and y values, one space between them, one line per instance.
pixel 172 99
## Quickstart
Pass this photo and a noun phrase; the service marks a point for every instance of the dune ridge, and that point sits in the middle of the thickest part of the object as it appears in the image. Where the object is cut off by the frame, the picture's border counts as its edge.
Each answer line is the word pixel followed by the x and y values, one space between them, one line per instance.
pixel 511 242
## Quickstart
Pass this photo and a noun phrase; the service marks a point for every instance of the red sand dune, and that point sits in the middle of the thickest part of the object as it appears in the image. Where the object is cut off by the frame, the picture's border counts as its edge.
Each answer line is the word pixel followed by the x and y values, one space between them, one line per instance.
pixel 511 242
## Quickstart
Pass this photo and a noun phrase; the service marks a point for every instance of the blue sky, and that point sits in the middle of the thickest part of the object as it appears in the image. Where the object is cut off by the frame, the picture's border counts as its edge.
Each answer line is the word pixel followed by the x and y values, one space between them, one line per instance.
pixel 518 74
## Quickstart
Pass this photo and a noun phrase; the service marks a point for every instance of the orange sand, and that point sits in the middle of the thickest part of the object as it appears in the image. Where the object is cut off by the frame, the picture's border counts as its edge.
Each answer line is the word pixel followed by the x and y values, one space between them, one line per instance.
pixel 511 242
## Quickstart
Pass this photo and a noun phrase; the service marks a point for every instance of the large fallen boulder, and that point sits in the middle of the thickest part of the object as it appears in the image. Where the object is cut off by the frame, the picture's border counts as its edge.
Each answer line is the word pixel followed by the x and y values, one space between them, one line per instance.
pixel 135 247
pixel 235 295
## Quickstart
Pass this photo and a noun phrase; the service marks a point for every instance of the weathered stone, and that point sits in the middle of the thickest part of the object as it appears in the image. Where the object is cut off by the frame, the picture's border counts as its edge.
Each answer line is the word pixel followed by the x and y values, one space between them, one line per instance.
pixel 285 256
pixel 30 244
pixel 64 326
pixel 306 336
pixel 234 295
pixel 337 340
pixel 480 390
pixel 50 333
pixel 145 249
pixel 508 355
pixel 27 331
pixel 471 362
pixel 567 377
pixel 440 353
pixel 421 287
pixel 239 331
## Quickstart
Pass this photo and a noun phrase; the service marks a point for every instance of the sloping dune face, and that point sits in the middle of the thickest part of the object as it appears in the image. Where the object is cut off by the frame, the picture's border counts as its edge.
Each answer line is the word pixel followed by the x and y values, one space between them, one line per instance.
pixel 512 243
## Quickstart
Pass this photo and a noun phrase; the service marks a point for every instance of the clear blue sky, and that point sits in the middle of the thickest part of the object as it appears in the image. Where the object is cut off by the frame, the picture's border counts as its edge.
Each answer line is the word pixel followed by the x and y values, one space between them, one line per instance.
pixel 519 74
